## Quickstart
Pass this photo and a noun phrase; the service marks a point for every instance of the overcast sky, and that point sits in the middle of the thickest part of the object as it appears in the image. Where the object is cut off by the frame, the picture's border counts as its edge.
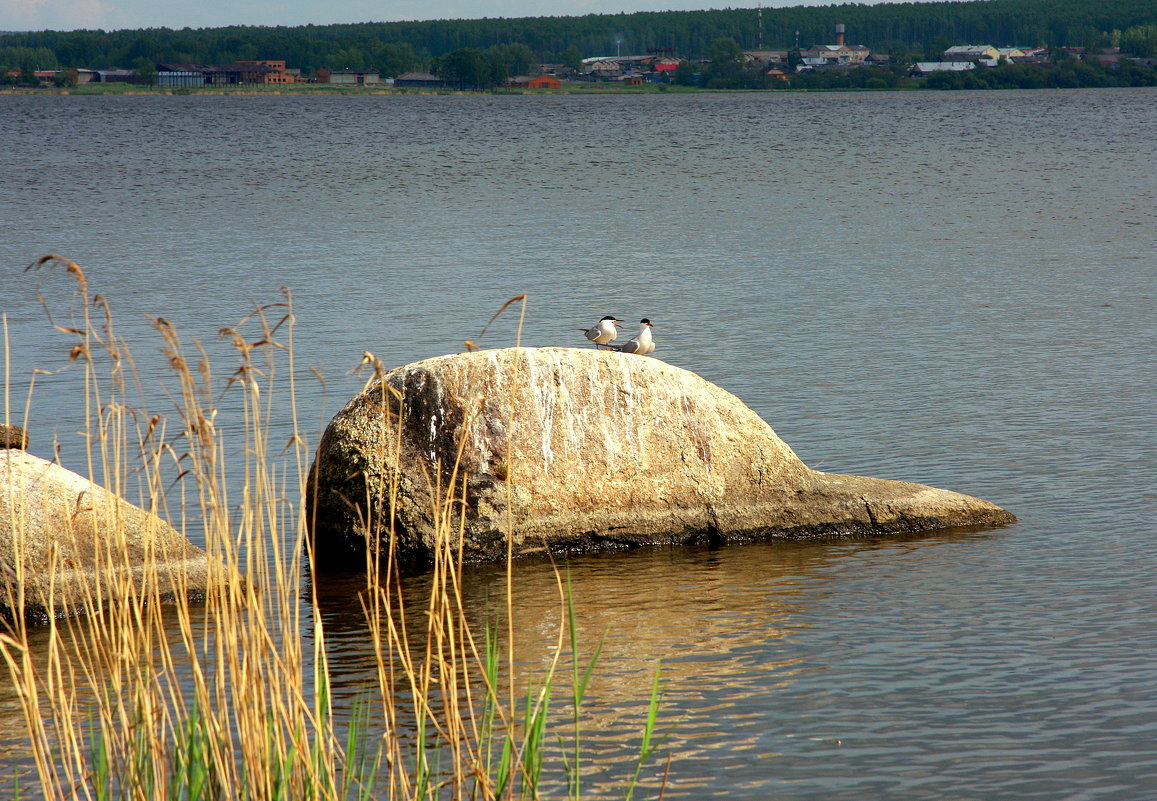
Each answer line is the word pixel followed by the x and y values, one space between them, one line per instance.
pixel 67 15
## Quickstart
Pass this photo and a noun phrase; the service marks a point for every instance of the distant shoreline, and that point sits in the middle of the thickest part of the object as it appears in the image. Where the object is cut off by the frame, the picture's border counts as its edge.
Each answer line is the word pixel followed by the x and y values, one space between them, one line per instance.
pixel 591 89
pixel 316 90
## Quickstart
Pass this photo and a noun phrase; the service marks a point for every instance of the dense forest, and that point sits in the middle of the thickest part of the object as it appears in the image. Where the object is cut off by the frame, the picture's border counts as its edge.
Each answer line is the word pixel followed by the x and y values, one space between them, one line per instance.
pixel 918 29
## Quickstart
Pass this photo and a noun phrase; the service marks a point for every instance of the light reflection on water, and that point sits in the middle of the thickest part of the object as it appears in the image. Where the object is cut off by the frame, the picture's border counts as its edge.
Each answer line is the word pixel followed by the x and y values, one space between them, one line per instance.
pixel 797 668
pixel 899 294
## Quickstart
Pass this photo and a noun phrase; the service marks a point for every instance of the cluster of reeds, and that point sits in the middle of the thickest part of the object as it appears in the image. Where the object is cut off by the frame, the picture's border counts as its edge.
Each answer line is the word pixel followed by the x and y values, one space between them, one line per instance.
pixel 152 696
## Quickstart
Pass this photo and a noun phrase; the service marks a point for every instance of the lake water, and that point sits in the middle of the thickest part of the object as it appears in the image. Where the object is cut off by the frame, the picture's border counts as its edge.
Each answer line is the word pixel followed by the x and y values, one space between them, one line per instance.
pixel 958 289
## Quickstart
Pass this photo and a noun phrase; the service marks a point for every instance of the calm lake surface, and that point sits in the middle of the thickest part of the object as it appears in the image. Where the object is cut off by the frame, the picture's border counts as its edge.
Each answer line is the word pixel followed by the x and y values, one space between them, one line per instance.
pixel 958 289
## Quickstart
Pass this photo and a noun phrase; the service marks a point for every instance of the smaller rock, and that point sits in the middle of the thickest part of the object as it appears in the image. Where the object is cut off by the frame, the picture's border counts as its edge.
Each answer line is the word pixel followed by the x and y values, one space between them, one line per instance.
pixel 67 543
pixel 13 437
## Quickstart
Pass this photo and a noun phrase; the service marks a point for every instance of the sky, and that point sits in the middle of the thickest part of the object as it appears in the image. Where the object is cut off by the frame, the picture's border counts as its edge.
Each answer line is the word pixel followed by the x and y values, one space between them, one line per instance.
pixel 68 15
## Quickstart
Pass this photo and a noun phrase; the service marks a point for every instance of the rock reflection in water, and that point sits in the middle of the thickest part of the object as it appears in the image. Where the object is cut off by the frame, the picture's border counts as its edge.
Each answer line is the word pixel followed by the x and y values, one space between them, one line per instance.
pixel 718 623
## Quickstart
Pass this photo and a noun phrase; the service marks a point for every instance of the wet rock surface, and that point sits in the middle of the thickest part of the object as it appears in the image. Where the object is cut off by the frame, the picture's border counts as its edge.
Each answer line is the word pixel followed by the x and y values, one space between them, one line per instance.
pixel 570 450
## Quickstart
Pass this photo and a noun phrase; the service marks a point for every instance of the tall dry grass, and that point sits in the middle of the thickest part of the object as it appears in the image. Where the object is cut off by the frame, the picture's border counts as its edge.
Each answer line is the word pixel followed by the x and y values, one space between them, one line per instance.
pixel 149 697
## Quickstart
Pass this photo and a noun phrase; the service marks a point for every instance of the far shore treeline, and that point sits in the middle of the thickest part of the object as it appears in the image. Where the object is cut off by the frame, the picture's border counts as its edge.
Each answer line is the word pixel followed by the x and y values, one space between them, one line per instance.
pixel 908 32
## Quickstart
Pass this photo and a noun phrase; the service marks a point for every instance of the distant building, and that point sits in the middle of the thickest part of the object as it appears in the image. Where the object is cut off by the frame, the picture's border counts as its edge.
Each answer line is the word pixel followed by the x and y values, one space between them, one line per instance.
pixel 1032 55
pixel 349 77
pixel 806 64
pixel 70 74
pixel 536 82
pixel 764 58
pixel 241 72
pixel 929 67
pixel 277 72
pixel 1107 57
pixel 838 53
pixel 602 67
pixel 180 78
pixel 118 76
pixel 419 80
pixel 971 53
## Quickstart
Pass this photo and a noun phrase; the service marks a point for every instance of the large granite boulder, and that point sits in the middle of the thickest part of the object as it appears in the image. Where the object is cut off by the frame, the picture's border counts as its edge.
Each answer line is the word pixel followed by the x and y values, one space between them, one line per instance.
pixel 574 449
pixel 67 542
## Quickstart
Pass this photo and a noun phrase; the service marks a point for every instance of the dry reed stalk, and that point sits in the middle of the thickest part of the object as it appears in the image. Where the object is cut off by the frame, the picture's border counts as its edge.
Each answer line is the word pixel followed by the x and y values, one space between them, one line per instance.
pixel 152 696
pixel 235 666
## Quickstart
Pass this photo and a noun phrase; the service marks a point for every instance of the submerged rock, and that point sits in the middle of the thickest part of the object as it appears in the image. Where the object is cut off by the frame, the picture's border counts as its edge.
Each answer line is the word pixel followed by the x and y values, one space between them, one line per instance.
pixel 570 449
pixel 66 543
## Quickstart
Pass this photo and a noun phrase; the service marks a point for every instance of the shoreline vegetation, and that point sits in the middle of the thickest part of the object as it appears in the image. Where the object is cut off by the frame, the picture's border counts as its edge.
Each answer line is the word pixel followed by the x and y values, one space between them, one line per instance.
pixel 975 44
pixel 148 698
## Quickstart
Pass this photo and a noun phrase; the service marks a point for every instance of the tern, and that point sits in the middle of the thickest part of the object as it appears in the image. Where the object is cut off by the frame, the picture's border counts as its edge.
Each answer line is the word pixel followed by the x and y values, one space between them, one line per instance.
pixel 603 332
pixel 641 343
